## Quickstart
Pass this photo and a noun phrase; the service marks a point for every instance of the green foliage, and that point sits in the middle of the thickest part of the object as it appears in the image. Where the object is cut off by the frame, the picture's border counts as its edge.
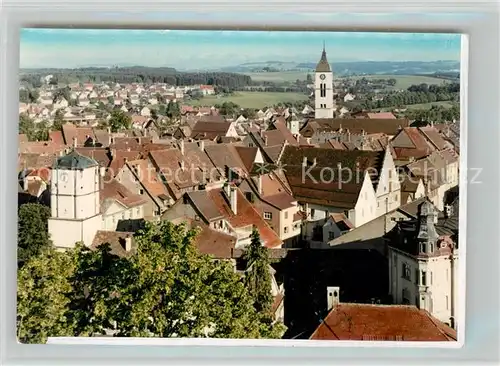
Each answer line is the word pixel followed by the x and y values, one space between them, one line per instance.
pixel 42 297
pixel 228 108
pixel 58 121
pixel 119 120
pixel 28 95
pixel 33 236
pixel 165 289
pixel 436 114
pixel 258 276
pixel 34 131
pixel 173 110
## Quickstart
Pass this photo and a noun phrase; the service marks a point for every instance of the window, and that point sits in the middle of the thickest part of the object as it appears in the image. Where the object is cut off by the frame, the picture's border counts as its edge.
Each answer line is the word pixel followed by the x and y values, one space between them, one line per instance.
pixel 396 198
pixel 423 247
pixel 447 304
pixel 430 279
pixel 286 229
pixel 331 235
pixel 378 204
pixel 249 196
pixel 250 144
pixel 268 215
pixel 406 271
pixel 141 191
pixel 322 90
pixel 390 174
pixel 390 186
pixel 286 215
pixel 423 279
pixel 312 212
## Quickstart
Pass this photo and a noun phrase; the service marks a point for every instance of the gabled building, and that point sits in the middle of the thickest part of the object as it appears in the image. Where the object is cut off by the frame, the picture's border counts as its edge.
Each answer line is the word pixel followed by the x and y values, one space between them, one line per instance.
pixel 360 184
pixel 225 210
pixel 423 261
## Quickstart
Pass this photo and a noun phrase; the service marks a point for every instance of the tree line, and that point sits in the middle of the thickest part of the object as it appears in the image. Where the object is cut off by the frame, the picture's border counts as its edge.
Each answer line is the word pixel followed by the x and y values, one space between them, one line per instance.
pixel 164 288
pixel 136 75
pixel 415 94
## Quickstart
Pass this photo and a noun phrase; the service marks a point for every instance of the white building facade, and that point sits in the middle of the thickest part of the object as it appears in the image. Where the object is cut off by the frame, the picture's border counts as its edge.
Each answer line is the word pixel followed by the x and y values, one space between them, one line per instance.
pixel 75 201
pixel 323 89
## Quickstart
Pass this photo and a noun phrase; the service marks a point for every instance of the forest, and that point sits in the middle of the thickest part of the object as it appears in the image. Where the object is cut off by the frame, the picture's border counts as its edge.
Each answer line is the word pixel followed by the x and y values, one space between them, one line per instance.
pixel 138 74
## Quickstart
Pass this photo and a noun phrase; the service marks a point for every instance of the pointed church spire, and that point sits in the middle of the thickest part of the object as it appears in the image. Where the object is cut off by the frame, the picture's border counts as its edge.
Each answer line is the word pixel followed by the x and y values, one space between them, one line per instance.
pixel 323 65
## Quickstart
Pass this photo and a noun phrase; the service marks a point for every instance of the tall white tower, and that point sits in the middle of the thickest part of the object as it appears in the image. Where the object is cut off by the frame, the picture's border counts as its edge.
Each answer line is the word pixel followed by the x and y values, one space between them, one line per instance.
pixel 323 89
pixel 75 204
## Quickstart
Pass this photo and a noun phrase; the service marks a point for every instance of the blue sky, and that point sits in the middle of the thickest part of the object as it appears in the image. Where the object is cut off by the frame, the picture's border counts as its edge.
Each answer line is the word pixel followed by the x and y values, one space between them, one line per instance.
pixel 212 49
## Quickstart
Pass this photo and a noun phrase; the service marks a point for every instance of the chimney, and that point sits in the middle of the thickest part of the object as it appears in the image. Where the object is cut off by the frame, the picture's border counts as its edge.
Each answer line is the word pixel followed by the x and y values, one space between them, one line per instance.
pixel 74 142
pixel 182 165
pixel 297 137
pixel 233 200
pixel 102 171
pixel 250 124
pixel 127 245
pixel 109 130
pixel 332 297
pixel 265 140
pixel 304 161
pixel 182 147
pixel 202 145
pixel 25 182
pixel 259 183
pixel 339 166
pixel 112 152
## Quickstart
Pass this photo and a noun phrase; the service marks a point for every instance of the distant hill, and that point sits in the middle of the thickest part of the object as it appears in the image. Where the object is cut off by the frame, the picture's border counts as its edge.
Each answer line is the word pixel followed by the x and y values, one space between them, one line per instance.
pixel 354 67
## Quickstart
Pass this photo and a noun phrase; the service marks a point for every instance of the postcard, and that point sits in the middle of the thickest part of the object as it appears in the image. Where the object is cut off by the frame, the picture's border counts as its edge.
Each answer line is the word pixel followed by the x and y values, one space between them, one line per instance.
pixel 239 185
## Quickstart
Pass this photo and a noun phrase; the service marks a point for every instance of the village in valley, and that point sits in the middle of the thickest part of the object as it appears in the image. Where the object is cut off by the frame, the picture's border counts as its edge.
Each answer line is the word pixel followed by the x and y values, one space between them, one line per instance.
pixel 340 223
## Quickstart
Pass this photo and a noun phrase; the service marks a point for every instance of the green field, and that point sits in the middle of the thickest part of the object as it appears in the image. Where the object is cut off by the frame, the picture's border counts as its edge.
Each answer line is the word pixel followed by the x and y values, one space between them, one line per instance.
pixel 402 81
pixel 250 99
pixel 278 77
pixel 445 104
pixel 429 105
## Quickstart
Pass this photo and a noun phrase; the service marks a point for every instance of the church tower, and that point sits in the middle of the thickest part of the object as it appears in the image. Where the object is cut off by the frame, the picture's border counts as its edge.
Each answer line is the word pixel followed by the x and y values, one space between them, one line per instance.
pixel 75 203
pixel 323 89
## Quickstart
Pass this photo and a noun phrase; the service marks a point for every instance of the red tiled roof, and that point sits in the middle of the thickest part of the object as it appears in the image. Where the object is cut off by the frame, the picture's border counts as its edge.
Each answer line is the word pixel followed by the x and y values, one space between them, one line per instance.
pixel 433 136
pixel 148 177
pixel 246 215
pixel 116 240
pixel 380 115
pixel 70 131
pixel 56 137
pixel 382 323
pixel 117 191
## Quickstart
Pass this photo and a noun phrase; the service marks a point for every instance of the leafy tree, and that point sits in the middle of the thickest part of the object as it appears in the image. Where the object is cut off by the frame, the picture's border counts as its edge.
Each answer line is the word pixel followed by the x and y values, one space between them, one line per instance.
pixel 228 108
pixel 119 120
pixel 42 296
pixel 33 236
pixel 27 126
pixel 173 110
pixel 58 121
pixel 176 291
pixel 167 288
pixel 258 278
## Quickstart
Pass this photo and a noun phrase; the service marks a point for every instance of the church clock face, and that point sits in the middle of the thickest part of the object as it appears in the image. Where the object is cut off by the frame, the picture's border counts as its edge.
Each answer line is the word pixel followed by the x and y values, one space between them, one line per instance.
pixel 64 177
pixel 322 76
